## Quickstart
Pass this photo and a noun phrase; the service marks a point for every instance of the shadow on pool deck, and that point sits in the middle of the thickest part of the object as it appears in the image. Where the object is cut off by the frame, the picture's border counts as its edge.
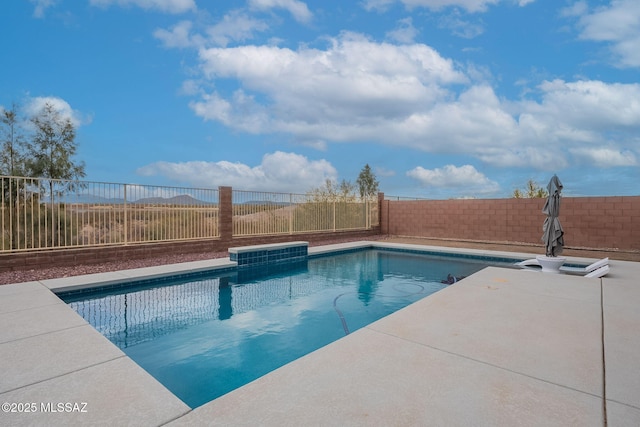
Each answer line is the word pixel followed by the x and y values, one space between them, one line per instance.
pixel 501 347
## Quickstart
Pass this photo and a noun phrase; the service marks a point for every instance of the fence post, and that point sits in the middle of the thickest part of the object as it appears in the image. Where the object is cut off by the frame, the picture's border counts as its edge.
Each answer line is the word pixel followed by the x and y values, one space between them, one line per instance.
pixel 367 213
pixel 290 213
pixel 383 218
pixel 225 213
pixel 126 227
pixel 334 215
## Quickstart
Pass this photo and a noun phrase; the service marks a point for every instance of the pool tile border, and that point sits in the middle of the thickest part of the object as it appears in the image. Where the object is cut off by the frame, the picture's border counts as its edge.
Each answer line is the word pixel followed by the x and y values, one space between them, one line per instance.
pixel 292 253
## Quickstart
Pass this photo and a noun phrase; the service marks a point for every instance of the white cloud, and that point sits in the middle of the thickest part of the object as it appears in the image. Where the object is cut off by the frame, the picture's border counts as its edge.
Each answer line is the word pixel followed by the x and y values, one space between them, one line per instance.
pixel 578 8
pixel 33 106
pixel 235 26
pixel 571 119
pixel 384 172
pixel 466 179
pixel 166 6
pixel 588 105
pixel 405 95
pixel 544 157
pixel 241 112
pixel 316 144
pixel 190 88
pixel 472 124
pixel 279 171
pixel 617 24
pixel 179 36
pixel 606 157
pixel 41 6
pixel 379 5
pixel 337 93
pixel 405 33
pixel 459 26
pixel 468 5
pixel 297 9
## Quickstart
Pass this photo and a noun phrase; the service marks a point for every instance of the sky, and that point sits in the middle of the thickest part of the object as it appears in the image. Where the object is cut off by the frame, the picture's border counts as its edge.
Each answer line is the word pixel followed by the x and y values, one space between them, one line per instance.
pixel 441 98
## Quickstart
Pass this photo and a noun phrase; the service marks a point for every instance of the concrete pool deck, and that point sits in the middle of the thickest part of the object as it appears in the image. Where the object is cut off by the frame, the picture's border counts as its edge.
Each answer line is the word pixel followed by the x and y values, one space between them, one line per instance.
pixel 501 347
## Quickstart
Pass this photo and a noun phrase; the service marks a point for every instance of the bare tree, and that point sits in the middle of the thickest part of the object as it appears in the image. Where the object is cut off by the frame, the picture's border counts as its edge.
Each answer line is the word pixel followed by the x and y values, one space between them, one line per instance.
pixel 12 163
pixel 53 146
pixel 50 156
pixel 13 143
pixel 331 191
pixel 533 190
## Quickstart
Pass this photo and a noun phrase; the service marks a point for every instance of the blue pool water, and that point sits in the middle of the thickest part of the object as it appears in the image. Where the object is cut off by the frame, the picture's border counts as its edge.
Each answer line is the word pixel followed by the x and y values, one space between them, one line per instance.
pixel 203 336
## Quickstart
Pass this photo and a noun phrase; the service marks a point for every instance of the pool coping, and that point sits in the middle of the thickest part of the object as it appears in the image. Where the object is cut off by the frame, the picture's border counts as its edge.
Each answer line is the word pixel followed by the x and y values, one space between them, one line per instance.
pixel 117 277
pixel 57 357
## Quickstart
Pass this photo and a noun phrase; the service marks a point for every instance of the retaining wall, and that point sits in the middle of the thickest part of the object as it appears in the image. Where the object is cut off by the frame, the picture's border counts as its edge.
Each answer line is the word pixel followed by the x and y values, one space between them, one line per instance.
pixel 96 255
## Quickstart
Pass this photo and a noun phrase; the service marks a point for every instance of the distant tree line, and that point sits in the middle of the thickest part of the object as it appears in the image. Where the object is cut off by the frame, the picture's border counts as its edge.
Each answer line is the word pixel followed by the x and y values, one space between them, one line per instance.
pixel 340 202
pixel 366 187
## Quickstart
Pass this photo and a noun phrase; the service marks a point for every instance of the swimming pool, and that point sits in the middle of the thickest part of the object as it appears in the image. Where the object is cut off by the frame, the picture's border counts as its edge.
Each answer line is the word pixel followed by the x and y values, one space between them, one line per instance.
pixel 204 335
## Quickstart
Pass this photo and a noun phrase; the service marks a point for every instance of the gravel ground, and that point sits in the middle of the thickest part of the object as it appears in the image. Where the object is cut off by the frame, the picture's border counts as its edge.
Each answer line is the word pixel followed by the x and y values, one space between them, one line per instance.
pixel 56 272
pixel 8 277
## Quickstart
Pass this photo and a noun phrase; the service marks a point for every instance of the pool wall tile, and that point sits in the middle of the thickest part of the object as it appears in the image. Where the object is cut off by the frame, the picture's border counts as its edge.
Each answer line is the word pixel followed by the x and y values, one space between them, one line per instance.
pixel 269 254
pixel 248 257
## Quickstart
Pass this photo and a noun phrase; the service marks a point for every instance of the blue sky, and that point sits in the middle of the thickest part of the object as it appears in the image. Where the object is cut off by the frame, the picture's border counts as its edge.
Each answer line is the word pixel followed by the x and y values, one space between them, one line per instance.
pixel 442 98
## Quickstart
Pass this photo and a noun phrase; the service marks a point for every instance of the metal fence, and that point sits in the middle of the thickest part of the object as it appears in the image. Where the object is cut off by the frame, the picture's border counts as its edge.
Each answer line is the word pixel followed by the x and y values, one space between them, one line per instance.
pixel 47 213
pixel 260 213
pixel 39 213
pixel 403 198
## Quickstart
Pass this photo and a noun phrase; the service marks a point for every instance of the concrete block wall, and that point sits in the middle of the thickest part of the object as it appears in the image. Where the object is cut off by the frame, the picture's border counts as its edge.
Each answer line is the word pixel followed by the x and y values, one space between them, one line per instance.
pixel 612 222
pixel 588 222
